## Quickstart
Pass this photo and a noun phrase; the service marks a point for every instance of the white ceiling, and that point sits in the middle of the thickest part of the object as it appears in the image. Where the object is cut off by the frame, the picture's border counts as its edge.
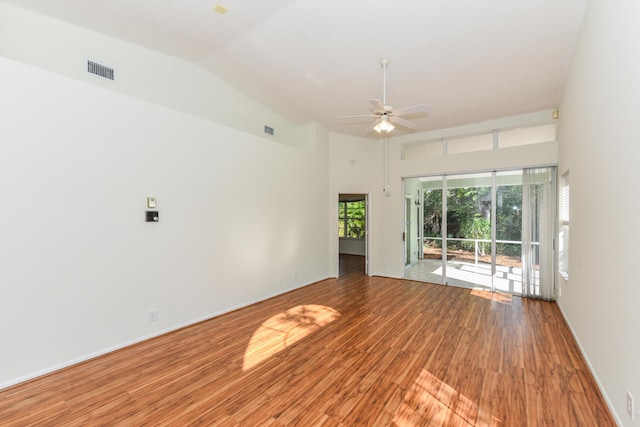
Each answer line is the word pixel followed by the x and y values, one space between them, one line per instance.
pixel 470 60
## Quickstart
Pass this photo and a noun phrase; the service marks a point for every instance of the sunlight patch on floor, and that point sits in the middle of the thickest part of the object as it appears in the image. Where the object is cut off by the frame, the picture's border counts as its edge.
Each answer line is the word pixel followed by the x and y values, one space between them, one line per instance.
pixel 285 329
pixel 431 400
pixel 464 274
pixel 492 296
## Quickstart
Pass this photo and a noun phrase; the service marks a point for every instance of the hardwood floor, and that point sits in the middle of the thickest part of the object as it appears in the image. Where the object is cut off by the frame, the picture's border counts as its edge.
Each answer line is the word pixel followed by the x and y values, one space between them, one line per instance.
pixel 351 265
pixel 341 352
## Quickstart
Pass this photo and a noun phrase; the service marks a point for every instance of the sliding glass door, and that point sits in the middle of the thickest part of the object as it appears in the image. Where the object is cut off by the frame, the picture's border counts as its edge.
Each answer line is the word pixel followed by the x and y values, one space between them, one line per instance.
pixel 491 230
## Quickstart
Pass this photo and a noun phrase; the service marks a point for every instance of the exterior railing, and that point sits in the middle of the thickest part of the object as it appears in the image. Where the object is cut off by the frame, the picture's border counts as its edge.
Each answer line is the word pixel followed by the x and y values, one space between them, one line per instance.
pixel 476 241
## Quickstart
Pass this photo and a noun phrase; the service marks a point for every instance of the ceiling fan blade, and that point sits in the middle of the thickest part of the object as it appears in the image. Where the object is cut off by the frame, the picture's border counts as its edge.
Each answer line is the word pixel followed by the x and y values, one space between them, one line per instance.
pixel 402 122
pixel 422 108
pixel 379 107
pixel 359 116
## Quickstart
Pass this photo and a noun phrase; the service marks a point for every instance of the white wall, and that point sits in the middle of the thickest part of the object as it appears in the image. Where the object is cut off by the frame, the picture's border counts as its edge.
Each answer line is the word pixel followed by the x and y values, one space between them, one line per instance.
pixel 355 168
pixel 600 146
pixel 143 73
pixel 352 246
pixel 79 267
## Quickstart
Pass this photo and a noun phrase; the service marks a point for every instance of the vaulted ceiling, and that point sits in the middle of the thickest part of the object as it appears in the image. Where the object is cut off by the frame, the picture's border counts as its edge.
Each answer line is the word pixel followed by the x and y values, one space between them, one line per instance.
pixel 470 60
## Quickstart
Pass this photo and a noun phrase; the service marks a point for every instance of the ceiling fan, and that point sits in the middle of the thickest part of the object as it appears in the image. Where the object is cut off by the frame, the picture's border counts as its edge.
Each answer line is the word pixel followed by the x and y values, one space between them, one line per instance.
pixel 386 117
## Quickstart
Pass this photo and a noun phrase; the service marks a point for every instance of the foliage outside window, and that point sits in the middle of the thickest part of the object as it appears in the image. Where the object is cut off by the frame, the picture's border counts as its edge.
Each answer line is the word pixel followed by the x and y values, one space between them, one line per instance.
pixel 351 219
pixel 469 217
pixel 509 219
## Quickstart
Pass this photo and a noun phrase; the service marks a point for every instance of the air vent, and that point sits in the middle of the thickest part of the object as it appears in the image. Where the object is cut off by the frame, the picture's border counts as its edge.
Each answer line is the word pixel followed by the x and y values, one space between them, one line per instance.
pixel 100 70
pixel 269 130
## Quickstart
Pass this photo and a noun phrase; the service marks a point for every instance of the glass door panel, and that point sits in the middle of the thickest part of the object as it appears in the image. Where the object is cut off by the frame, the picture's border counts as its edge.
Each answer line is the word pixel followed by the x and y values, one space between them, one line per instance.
pixel 431 263
pixel 508 272
pixel 468 247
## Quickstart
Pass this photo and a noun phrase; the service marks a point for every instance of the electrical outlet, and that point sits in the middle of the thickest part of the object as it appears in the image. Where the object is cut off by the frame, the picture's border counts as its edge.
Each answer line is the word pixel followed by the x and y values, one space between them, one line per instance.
pixel 295 275
pixel 152 315
pixel 630 410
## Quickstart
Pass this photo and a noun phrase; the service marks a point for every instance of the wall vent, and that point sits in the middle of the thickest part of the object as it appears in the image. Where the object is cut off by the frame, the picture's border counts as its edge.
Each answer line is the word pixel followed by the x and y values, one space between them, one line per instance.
pixel 100 70
pixel 269 130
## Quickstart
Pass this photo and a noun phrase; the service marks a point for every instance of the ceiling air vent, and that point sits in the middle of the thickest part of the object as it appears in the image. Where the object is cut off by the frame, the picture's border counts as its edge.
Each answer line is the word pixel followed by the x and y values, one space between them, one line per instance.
pixel 100 70
pixel 269 130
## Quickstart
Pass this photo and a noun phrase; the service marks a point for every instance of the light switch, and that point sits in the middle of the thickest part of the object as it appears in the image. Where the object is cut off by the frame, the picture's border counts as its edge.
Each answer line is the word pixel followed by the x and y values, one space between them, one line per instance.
pixel 151 202
pixel 152 216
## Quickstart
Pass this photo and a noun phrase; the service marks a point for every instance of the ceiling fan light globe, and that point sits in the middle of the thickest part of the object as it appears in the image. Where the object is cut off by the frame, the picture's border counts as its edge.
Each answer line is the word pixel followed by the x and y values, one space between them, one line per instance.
pixel 384 127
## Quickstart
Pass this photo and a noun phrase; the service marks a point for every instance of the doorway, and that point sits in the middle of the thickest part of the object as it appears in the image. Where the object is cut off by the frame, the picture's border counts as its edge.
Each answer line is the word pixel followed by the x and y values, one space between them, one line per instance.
pixel 353 231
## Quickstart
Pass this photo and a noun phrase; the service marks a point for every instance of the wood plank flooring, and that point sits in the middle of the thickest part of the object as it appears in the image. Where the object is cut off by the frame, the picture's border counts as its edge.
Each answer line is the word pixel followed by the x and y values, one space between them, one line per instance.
pixel 351 265
pixel 353 351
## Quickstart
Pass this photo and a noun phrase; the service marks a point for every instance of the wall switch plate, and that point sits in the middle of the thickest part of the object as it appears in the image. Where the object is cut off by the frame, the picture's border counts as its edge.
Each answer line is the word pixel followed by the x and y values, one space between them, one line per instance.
pixel 151 202
pixel 630 409
pixel 151 216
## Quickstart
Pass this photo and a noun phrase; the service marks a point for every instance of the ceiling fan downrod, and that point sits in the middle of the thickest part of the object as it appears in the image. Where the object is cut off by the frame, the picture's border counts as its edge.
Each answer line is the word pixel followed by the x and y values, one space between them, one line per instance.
pixel 384 62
